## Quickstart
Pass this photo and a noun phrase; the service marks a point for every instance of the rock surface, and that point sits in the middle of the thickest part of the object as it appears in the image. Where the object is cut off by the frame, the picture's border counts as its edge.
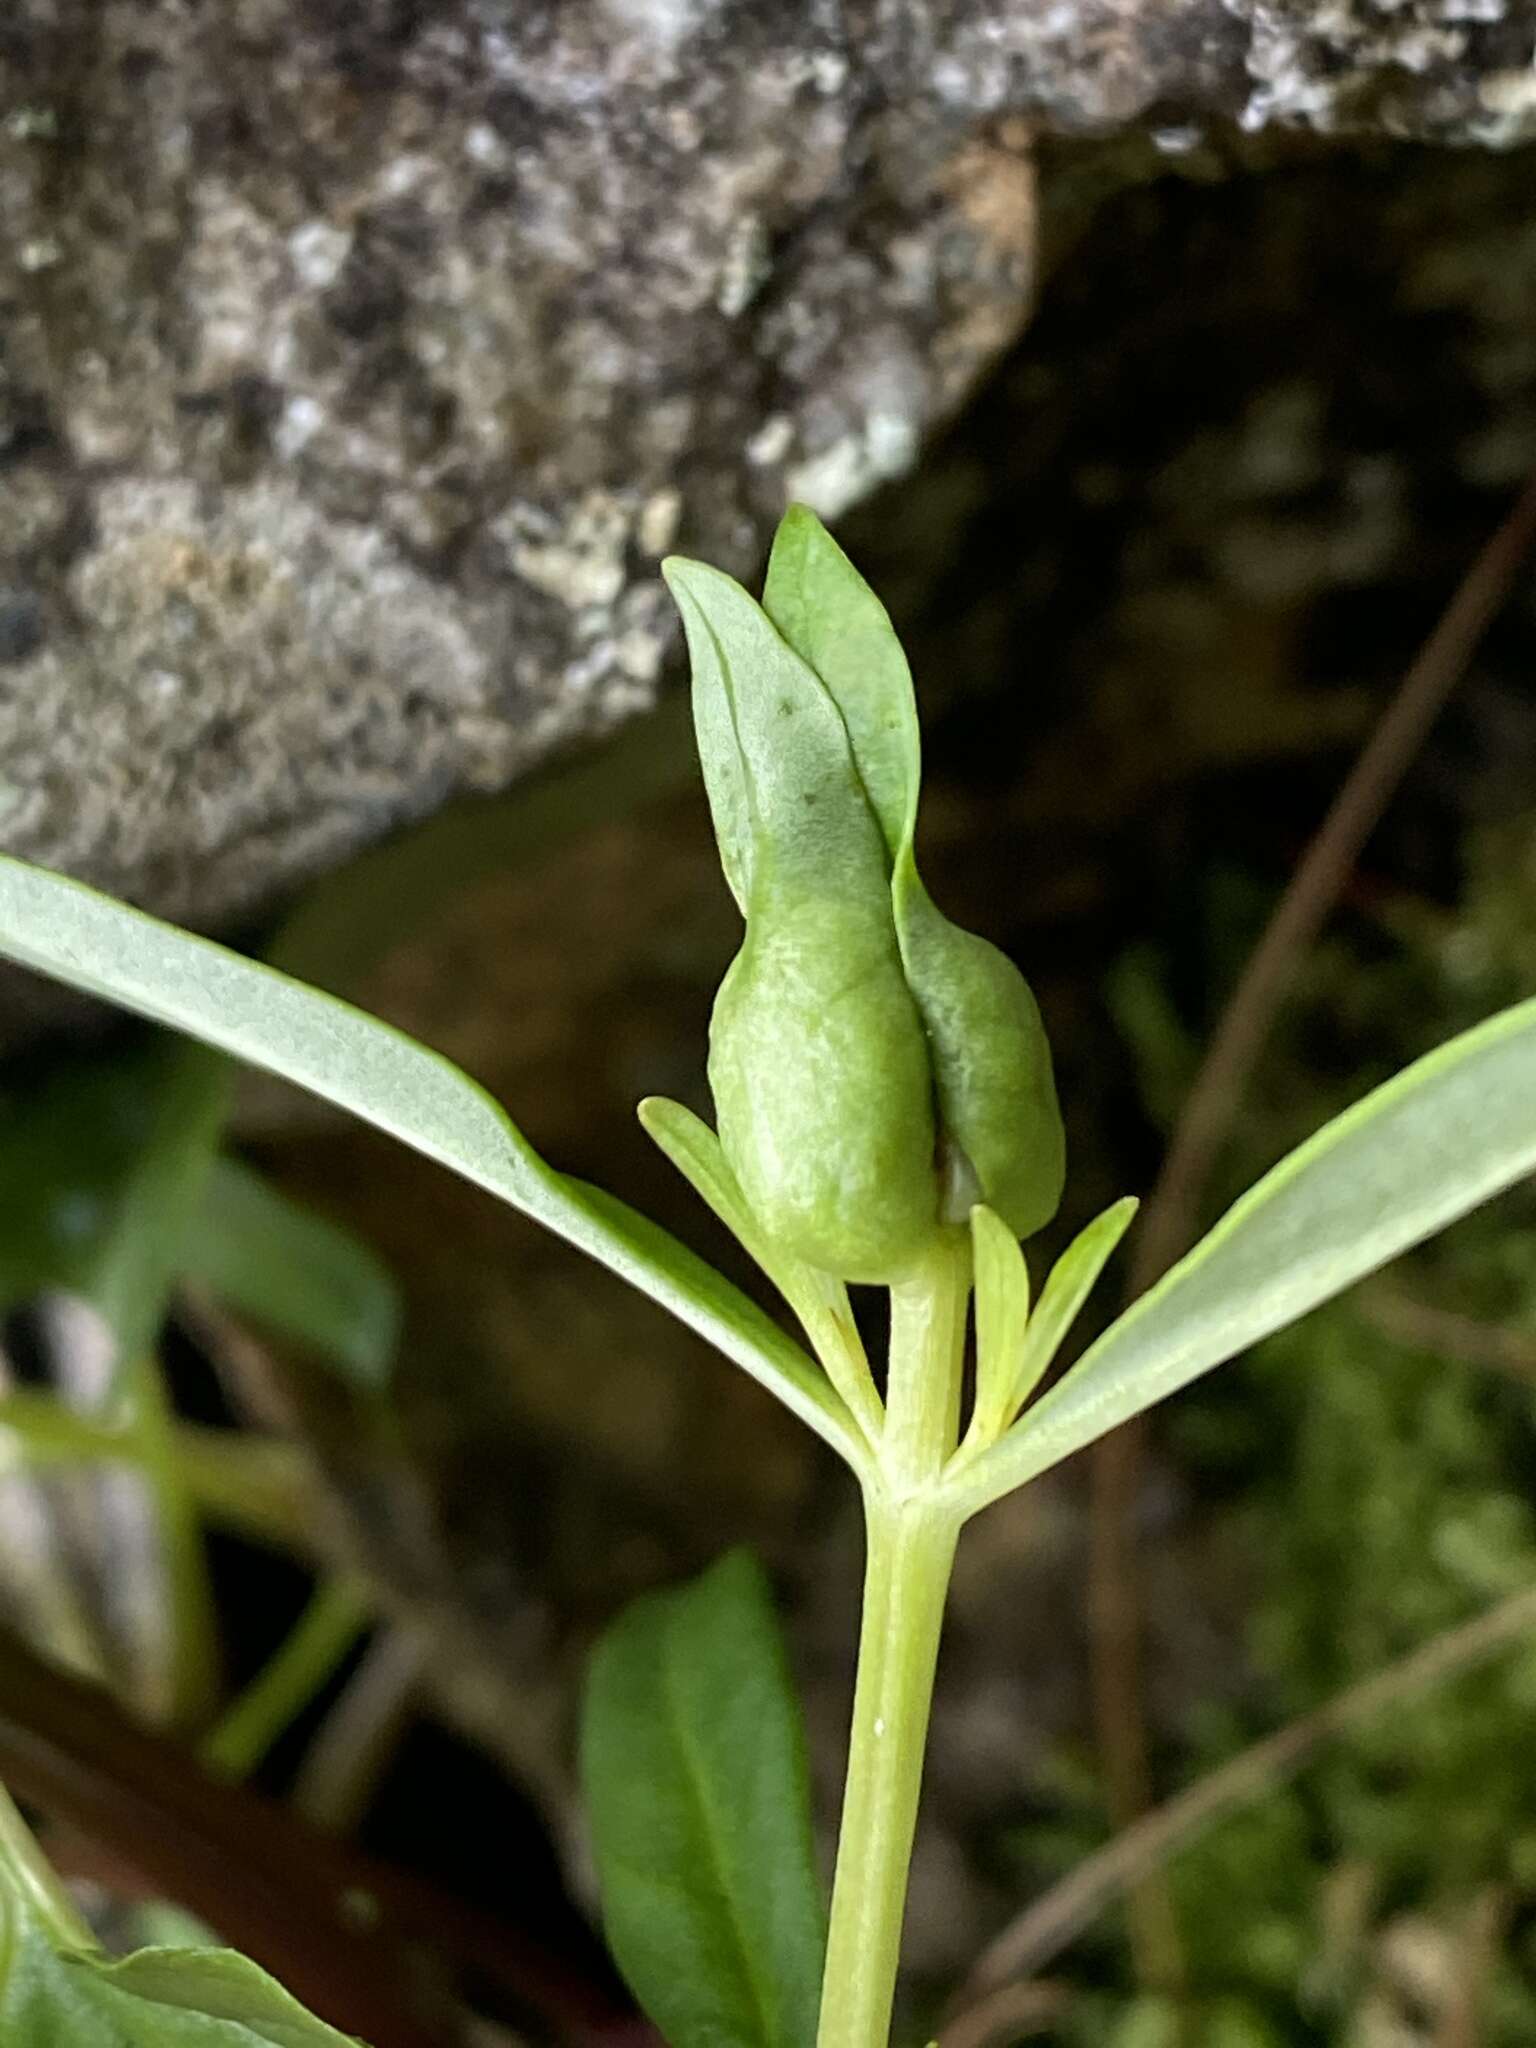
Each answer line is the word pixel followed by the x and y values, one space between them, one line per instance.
pixel 359 358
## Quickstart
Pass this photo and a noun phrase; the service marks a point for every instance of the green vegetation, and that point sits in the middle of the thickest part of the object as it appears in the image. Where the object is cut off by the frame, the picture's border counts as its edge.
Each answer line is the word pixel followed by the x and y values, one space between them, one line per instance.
pixel 886 1116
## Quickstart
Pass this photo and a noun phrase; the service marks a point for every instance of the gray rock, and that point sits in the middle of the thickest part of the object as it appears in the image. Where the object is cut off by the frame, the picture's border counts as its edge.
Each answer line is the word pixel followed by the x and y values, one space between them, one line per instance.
pixel 360 358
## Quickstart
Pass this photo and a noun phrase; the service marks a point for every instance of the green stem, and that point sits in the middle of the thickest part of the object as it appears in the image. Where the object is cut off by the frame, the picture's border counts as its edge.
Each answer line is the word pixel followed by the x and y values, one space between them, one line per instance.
pixel 302 1665
pixel 923 1376
pixel 256 1486
pixel 24 1869
pixel 905 1583
pixel 192 1666
pixel 911 1534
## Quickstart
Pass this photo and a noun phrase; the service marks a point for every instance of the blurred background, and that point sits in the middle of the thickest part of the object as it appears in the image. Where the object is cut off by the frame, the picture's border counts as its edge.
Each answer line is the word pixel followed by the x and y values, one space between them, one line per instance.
pixel 1166 370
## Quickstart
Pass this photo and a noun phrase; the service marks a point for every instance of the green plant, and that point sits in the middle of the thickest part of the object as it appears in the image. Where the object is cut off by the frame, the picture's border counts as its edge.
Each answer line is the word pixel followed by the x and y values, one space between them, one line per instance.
pixel 56 1991
pixel 886 1116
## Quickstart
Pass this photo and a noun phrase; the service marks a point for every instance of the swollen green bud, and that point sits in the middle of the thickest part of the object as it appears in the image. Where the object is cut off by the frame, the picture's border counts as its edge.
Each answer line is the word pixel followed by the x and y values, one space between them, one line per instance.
pixel 818 1061
pixel 819 1072
pixel 1000 1128
pixel 876 1070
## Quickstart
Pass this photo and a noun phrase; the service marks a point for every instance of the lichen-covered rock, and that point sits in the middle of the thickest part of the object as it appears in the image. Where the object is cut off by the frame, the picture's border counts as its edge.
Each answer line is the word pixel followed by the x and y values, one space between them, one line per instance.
pixel 359 358
pixel 358 362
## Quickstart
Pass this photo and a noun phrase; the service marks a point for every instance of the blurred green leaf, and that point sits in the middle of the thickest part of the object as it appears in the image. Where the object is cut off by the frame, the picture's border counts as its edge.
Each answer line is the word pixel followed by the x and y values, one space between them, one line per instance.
pixel 65 1149
pixel 293 1272
pixel 1449 1132
pixel 160 1998
pixel 89 1161
pixel 61 928
pixel 132 1269
pixel 112 1160
pixel 693 1766
pixel 58 1991
pixel 102 1167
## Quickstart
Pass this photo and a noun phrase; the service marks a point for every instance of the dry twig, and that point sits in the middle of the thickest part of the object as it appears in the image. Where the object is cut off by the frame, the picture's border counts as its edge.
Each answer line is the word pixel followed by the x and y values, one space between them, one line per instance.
pixel 1171 1213
pixel 1053 1922
pixel 1467 1339
pixel 1461 2022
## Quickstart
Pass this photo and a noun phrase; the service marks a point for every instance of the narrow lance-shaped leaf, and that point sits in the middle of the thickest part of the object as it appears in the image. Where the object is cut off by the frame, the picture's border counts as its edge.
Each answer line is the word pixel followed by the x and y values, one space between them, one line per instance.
pixel 1002 1317
pixel 61 928
pixel 1449 1132
pixel 693 1767
pixel 991 1059
pixel 817 1298
pixel 1067 1286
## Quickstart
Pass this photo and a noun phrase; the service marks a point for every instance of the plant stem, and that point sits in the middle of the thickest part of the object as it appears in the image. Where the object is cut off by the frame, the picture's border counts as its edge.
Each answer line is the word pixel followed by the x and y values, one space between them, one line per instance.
pixel 911 1532
pixel 26 1870
pixel 303 1664
pixel 906 1579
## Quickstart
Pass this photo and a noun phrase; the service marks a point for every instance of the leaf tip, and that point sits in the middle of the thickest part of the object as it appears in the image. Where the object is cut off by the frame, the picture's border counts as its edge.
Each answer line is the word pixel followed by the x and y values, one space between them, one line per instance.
pixel 656 1113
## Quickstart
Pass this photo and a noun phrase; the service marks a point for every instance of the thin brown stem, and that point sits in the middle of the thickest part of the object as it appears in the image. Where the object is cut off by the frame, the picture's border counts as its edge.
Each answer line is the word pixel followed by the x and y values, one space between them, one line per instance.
pixel 1171 1214
pixel 351 1751
pixel 1013 2013
pixel 1053 1922
pixel 1467 1339
pixel 1461 2022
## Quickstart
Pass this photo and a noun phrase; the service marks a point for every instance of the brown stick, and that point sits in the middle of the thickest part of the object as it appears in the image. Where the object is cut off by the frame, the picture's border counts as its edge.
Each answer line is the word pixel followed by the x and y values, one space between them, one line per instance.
pixel 1014 2012
pixel 1170 1217
pixel 1461 2021
pixel 1053 1922
pixel 1467 1339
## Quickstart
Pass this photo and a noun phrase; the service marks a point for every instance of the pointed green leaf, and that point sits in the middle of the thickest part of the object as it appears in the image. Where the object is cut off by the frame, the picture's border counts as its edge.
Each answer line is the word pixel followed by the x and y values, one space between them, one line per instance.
pixel 1002 1318
pixel 56 1991
pixel 160 1998
pixel 715 735
pixel 61 928
pixel 293 1272
pixel 1068 1285
pixel 792 795
pixel 827 612
pixel 817 1298
pixel 693 1767
pixel 1449 1132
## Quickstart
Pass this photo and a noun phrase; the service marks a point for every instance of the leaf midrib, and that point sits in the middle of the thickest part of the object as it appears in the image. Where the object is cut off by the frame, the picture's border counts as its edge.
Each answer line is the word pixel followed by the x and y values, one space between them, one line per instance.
pixel 696 1775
